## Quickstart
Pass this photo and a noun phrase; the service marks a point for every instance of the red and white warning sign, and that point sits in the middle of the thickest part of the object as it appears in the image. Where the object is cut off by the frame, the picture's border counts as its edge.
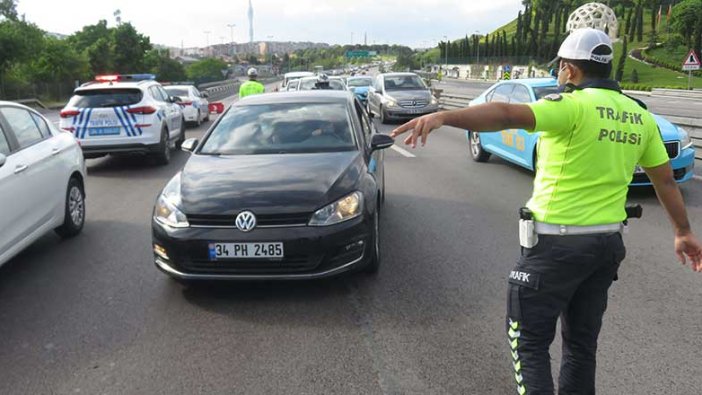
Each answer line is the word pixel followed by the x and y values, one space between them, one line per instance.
pixel 692 62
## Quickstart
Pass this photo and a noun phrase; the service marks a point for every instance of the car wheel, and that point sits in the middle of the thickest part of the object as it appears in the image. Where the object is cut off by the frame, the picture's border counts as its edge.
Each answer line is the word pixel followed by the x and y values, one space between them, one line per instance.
pixel 476 148
pixel 181 138
pixel 207 117
pixel 164 151
pixel 198 119
pixel 383 116
pixel 374 260
pixel 74 215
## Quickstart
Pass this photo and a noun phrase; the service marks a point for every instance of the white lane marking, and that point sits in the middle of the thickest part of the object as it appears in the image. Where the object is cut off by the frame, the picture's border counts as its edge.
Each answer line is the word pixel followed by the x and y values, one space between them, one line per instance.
pixel 403 152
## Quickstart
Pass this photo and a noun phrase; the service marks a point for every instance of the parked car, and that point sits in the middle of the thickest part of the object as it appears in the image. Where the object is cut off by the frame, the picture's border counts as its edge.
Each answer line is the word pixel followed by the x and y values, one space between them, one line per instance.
pixel 518 146
pixel 400 96
pixel 119 114
pixel 193 102
pixel 42 175
pixel 284 186
pixel 359 86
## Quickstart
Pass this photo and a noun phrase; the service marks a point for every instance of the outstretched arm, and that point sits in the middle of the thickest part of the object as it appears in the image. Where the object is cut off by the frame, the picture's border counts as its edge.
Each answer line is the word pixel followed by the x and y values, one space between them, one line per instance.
pixel 481 118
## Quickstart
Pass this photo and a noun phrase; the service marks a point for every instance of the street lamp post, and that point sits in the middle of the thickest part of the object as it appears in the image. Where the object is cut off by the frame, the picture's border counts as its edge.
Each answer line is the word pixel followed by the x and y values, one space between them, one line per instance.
pixel 231 30
pixel 207 38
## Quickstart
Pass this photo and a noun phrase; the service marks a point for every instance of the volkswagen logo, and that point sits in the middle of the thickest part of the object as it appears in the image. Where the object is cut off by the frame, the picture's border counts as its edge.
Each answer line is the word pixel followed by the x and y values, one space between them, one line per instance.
pixel 246 221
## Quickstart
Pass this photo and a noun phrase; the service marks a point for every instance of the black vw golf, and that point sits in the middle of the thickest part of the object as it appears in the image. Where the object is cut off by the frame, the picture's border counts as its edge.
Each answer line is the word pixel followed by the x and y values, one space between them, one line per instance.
pixel 284 186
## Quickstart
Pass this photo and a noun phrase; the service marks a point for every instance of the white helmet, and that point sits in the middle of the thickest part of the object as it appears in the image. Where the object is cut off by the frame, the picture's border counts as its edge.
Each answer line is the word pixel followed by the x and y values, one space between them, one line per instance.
pixel 581 43
pixel 252 72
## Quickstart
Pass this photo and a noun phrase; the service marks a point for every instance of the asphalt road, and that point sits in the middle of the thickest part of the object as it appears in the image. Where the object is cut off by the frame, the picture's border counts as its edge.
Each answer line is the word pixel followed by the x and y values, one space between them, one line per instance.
pixel 92 315
pixel 659 105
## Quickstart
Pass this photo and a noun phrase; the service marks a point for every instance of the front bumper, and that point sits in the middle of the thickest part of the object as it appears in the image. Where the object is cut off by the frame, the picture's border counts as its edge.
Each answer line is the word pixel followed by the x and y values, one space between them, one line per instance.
pixel 406 113
pixel 683 169
pixel 310 252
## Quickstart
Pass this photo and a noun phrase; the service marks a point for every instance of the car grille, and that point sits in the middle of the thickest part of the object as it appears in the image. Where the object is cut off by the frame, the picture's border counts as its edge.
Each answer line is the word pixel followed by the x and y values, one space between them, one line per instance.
pixel 262 220
pixel 413 103
pixel 673 149
pixel 642 178
pixel 290 264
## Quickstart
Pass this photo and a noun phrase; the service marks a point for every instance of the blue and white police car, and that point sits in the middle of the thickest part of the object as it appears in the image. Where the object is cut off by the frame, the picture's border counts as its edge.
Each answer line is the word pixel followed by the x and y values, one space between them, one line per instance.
pixel 194 103
pixel 519 147
pixel 124 114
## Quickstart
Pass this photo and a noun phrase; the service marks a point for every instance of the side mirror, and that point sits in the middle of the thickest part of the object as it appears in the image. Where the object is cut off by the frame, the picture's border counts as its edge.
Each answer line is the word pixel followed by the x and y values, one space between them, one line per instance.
pixel 3 158
pixel 371 115
pixel 380 141
pixel 204 94
pixel 189 145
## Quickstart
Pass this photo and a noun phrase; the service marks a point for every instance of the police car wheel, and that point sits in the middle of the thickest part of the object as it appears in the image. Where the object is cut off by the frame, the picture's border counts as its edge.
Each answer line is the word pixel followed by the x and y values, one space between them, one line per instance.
pixel 198 119
pixel 181 138
pixel 164 151
pixel 476 148
pixel 374 260
pixel 207 117
pixel 74 214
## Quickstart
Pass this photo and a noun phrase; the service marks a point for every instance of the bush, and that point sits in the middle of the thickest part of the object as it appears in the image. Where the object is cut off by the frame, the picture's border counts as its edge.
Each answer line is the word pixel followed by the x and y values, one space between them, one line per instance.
pixel 634 76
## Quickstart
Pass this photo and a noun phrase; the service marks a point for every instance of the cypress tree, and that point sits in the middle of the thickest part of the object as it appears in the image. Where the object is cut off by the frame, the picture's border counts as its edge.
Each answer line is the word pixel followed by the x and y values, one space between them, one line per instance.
pixel 622 61
pixel 639 24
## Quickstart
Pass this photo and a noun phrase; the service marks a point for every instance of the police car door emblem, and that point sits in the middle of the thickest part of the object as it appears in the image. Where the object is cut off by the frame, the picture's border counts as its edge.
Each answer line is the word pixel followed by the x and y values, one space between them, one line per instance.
pixel 245 221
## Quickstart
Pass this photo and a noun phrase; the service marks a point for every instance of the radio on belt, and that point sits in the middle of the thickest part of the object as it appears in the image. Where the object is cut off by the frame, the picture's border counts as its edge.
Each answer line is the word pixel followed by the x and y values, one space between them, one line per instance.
pixel 528 237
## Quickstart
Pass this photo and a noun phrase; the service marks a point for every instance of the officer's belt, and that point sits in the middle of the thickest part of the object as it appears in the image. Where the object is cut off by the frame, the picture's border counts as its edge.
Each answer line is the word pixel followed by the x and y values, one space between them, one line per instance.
pixel 564 230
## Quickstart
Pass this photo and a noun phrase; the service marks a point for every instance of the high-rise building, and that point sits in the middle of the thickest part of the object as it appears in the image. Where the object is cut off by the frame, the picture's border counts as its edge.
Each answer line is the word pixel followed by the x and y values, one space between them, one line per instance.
pixel 251 14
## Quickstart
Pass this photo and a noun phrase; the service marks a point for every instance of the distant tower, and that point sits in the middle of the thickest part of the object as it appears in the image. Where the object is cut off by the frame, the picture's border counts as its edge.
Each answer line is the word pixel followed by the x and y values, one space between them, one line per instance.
pixel 250 22
pixel 365 38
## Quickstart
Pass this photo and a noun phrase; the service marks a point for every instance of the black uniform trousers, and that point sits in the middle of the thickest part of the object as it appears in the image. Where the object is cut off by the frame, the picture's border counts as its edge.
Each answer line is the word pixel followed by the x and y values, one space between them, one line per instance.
pixel 566 276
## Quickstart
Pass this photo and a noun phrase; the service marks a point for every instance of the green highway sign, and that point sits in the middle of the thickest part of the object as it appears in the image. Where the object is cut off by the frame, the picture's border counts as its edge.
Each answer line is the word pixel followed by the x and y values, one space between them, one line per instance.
pixel 360 54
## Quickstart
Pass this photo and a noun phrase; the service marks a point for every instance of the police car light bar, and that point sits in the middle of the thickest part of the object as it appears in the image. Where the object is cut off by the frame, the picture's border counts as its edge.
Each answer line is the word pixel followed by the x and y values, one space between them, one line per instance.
pixel 124 77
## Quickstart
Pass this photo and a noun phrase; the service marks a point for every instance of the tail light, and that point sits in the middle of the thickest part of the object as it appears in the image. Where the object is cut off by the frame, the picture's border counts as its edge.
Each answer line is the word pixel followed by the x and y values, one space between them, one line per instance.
pixel 141 110
pixel 69 113
pixel 186 103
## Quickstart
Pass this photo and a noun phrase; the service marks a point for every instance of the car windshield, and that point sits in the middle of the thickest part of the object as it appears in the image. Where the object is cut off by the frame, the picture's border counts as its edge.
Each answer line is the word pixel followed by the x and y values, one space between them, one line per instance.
pixel 356 82
pixel 177 91
pixel 403 82
pixel 281 129
pixel 310 84
pixel 105 98
pixel 542 91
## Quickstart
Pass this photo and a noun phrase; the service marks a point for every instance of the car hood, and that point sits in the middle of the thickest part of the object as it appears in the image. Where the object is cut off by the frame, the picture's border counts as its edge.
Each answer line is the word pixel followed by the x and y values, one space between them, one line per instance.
pixel 267 184
pixel 668 130
pixel 409 95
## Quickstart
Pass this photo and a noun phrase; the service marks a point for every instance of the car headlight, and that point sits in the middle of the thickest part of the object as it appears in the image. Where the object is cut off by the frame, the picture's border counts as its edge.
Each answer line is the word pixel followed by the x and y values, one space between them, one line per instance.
pixel 344 209
pixel 685 140
pixel 391 103
pixel 166 211
pixel 434 101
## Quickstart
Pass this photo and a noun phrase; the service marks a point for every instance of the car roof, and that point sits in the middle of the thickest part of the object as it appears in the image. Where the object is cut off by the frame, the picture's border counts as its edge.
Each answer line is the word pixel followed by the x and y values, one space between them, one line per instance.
pixel 116 84
pixel 398 74
pixel 535 82
pixel 313 96
pixel 299 74
pixel 178 86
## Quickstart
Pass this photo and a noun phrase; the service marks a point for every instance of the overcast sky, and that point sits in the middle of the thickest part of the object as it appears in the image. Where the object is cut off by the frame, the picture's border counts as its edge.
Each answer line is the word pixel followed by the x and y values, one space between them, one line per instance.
pixel 416 23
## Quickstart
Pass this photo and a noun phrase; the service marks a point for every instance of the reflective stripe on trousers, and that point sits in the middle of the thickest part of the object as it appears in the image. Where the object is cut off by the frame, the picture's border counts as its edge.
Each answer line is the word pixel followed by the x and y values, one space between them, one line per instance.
pixel 566 277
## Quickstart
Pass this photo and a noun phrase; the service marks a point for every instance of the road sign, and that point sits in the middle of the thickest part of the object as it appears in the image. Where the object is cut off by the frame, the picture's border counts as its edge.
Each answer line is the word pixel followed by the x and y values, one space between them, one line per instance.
pixel 692 62
pixel 507 72
pixel 360 54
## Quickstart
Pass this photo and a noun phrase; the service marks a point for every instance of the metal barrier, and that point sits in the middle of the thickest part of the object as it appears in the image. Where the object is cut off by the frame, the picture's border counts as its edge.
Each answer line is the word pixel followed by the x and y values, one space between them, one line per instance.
pixel 678 93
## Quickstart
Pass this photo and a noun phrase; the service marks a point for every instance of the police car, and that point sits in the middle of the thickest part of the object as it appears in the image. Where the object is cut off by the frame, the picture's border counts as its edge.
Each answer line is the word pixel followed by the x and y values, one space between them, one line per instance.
pixel 118 114
pixel 194 103
pixel 519 147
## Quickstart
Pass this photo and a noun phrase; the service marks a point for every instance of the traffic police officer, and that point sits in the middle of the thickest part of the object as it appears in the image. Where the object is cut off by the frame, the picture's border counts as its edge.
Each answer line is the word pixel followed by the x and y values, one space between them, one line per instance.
pixel 252 86
pixel 592 137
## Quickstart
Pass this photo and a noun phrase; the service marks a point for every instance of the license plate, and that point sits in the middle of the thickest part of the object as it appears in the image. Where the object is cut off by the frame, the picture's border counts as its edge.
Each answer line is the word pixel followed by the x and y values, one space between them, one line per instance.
pixel 103 131
pixel 245 250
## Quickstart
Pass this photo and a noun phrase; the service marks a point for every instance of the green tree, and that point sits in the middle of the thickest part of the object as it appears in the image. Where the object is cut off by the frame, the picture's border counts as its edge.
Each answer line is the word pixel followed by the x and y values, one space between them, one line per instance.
pixel 130 47
pixel 619 74
pixel 19 42
pixel 100 56
pixel 58 61
pixel 206 70
pixel 166 69
pixel 634 76
pixel 87 36
pixel 8 9
pixel 686 20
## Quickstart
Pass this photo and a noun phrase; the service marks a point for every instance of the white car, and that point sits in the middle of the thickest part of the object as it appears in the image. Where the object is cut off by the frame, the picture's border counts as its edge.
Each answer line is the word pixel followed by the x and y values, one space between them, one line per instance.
pixel 194 103
pixel 42 175
pixel 294 76
pixel 119 114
